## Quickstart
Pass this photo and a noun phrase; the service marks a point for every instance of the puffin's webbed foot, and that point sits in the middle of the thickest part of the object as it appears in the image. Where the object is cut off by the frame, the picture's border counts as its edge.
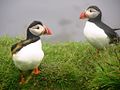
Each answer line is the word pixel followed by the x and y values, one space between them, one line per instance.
pixel 36 71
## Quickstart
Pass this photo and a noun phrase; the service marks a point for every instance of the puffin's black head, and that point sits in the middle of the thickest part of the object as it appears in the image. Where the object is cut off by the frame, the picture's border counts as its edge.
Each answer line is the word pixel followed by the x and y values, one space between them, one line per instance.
pixel 36 28
pixel 92 13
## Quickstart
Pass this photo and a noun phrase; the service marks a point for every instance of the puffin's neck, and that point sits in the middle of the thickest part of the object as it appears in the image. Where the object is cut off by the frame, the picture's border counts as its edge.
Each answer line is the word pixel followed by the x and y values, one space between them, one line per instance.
pixel 97 19
pixel 31 36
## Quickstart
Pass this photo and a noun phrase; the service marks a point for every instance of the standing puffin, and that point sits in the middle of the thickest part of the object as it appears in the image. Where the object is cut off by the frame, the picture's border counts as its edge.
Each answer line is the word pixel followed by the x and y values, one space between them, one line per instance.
pixel 28 54
pixel 96 32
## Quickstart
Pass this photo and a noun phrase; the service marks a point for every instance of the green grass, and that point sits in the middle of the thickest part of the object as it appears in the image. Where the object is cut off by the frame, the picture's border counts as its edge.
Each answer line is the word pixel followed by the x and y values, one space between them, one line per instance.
pixel 66 66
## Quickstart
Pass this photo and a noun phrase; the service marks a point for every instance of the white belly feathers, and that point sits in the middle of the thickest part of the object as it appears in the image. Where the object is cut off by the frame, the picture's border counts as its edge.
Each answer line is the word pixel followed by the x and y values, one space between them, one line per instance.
pixel 95 35
pixel 29 57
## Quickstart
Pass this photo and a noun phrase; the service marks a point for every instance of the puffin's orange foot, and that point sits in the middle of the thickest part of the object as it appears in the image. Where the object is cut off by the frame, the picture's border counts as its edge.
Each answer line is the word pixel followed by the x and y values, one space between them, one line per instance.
pixel 36 71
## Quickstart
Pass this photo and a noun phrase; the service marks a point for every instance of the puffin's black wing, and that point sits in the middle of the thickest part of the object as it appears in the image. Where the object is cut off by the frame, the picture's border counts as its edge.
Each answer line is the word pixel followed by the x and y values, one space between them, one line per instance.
pixel 18 46
pixel 13 47
pixel 109 31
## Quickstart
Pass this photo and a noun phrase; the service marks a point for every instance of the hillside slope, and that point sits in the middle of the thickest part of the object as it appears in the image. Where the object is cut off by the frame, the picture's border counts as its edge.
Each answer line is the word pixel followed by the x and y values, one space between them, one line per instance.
pixel 66 66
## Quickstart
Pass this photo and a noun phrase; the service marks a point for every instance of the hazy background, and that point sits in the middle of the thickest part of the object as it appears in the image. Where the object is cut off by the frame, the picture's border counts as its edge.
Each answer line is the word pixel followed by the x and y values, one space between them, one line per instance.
pixel 61 16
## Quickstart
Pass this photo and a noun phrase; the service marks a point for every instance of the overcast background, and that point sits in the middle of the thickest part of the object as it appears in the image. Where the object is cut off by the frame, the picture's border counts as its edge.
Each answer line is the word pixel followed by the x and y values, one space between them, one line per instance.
pixel 61 16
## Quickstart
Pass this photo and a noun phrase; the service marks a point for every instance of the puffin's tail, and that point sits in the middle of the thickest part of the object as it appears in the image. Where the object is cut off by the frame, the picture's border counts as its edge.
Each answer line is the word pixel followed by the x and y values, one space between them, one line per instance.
pixel 116 29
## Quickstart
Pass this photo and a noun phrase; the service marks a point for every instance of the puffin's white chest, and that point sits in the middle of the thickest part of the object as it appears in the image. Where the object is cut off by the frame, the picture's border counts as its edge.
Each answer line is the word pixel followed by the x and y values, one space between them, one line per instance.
pixel 29 56
pixel 95 35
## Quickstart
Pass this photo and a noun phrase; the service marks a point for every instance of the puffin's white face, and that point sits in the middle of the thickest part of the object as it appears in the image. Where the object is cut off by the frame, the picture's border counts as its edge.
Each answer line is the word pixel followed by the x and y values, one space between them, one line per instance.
pixel 92 13
pixel 37 30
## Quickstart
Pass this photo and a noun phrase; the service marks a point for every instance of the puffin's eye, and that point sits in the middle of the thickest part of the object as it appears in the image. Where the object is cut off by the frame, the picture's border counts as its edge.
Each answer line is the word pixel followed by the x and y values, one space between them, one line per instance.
pixel 37 27
pixel 90 10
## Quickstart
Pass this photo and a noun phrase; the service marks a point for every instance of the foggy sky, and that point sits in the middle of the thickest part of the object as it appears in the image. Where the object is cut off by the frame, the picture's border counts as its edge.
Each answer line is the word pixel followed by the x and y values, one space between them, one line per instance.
pixel 61 16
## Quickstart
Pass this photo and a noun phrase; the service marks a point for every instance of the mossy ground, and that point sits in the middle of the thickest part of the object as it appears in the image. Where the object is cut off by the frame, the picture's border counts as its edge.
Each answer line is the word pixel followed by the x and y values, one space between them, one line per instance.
pixel 66 66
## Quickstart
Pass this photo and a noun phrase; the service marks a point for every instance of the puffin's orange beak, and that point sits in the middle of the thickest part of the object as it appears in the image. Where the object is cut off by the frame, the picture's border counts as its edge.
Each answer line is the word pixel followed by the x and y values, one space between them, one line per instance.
pixel 83 15
pixel 47 31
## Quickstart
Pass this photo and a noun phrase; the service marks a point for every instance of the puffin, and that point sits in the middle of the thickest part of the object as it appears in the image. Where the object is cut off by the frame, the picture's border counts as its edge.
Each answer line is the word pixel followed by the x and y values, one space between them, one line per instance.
pixel 28 54
pixel 97 33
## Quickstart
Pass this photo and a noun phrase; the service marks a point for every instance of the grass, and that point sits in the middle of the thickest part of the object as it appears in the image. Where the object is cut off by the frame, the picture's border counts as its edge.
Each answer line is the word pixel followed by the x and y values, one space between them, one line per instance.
pixel 66 66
